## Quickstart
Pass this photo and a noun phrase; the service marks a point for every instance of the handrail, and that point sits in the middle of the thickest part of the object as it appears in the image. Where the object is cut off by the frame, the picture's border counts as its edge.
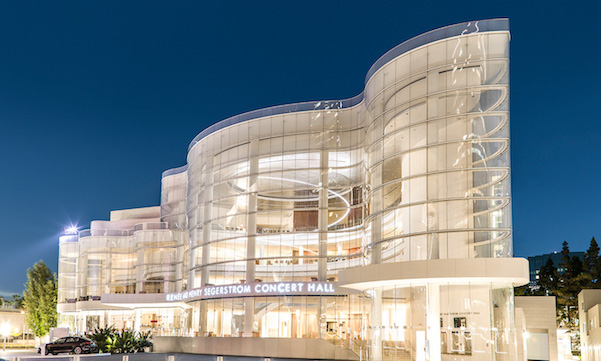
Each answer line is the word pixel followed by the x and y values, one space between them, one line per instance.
pixel 358 348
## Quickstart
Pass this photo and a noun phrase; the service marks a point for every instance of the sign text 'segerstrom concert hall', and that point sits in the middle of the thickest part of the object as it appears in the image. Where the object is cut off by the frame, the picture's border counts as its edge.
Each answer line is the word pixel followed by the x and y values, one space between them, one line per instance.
pixel 376 227
pixel 273 288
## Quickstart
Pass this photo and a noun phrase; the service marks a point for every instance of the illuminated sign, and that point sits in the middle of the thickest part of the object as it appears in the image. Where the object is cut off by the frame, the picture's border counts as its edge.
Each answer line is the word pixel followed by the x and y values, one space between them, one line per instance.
pixel 258 289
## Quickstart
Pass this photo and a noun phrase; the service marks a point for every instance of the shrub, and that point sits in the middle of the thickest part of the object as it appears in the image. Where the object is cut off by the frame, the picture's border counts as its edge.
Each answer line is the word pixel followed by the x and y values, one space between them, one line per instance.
pixel 101 336
pixel 111 340
pixel 143 341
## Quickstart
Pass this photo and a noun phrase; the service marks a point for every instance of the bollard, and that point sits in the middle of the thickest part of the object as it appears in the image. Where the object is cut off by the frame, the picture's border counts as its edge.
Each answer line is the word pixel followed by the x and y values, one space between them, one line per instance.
pixel 219 358
pixel 266 359
pixel 171 358
pixel 76 358
pixel 125 358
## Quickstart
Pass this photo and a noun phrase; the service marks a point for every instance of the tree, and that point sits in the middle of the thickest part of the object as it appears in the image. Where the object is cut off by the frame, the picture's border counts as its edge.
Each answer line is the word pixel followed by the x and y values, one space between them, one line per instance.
pixel 575 268
pixel 17 301
pixel 592 266
pixel 523 291
pixel 547 279
pixel 564 264
pixel 567 289
pixel 40 299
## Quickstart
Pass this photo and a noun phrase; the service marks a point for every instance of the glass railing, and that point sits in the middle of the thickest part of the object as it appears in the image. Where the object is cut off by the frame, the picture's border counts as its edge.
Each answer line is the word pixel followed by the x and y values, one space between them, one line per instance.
pixel 278 109
pixel 359 347
pixel 174 171
pixel 105 233
pixel 413 43
pixel 150 226
pixel 122 232
pixel 438 34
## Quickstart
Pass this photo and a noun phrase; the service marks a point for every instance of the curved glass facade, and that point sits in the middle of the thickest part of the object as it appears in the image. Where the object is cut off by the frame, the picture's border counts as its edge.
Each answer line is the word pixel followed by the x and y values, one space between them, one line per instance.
pixel 415 171
pixel 418 170
pixel 437 148
pixel 278 198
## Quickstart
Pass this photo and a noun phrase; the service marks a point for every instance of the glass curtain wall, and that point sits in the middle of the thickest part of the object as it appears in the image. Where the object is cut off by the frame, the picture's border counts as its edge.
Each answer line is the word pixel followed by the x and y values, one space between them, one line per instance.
pixel 106 263
pixel 438 152
pixel 278 199
pixel 473 322
pixel 157 321
pixel 339 319
pixel 291 192
pixel 68 250
pixel 438 160
pixel 419 170
pixel 174 189
pixel 142 260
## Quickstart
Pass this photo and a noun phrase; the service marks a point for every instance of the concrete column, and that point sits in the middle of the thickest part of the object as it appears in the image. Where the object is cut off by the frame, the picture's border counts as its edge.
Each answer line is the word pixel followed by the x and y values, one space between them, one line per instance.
pixel 206 237
pixel 251 220
pixel 376 324
pixel 249 315
pixel 322 224
pixel 139 267
pixel 107 268
pixel 207 225
pixel 251 232
pixel 167 264
pixel 137 320
pixel 179 253
pixel 203 318
pixel 218 320
pixel 321 317
pixel 80 323
pixel 192 261
pixel 376 223
pixel 376 236
pixel 433 323
pixel 82 273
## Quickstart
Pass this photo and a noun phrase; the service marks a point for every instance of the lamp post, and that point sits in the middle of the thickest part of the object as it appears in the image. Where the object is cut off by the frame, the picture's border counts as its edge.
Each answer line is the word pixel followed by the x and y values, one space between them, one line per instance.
pixel 23 329
pixel 5 332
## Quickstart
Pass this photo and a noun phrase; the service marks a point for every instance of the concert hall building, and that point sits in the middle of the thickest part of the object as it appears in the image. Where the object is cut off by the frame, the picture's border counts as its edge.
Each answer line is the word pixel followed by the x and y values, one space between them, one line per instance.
pixel 376 227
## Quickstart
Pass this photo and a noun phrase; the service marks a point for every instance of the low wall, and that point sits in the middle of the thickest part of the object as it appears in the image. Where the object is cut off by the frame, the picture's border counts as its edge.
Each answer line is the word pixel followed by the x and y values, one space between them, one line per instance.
pixel 304 348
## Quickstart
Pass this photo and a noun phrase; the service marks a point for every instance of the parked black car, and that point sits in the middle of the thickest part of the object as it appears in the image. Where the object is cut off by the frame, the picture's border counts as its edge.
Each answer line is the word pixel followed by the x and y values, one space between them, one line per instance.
pixel 71 344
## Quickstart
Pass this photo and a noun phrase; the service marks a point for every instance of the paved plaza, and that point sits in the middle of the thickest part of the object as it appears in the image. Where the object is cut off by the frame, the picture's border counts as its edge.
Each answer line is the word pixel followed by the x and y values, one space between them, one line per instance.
pixel 32 355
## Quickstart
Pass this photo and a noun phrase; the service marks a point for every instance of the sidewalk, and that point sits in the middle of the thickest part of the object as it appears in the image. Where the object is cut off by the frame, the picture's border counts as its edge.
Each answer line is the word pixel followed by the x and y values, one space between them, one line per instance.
pixel 32 355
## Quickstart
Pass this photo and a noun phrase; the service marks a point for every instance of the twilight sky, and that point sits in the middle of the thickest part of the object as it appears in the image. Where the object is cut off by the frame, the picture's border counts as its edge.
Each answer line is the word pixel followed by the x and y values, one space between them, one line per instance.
pixel 97 98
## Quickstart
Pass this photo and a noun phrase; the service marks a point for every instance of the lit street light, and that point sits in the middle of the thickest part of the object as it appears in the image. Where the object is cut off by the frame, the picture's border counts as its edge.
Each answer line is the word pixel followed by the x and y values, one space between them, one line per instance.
pixel 23 329
pixel 5 330
pixel 70 230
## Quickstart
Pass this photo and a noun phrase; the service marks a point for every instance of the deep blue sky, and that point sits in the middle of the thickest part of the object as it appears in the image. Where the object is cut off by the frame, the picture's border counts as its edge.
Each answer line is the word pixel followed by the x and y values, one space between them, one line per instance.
pixel 97 98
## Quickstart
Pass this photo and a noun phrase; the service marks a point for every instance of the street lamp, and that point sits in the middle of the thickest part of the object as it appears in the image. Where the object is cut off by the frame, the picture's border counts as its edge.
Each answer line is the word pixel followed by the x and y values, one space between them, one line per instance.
pixel 23 329
pixel 71 230
pixel 5 330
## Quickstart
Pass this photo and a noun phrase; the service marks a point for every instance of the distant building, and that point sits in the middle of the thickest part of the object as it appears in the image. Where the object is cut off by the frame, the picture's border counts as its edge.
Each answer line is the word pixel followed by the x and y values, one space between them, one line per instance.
pixel 12 322
pixel 535 318
pixel 589 315
pixel 537 262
